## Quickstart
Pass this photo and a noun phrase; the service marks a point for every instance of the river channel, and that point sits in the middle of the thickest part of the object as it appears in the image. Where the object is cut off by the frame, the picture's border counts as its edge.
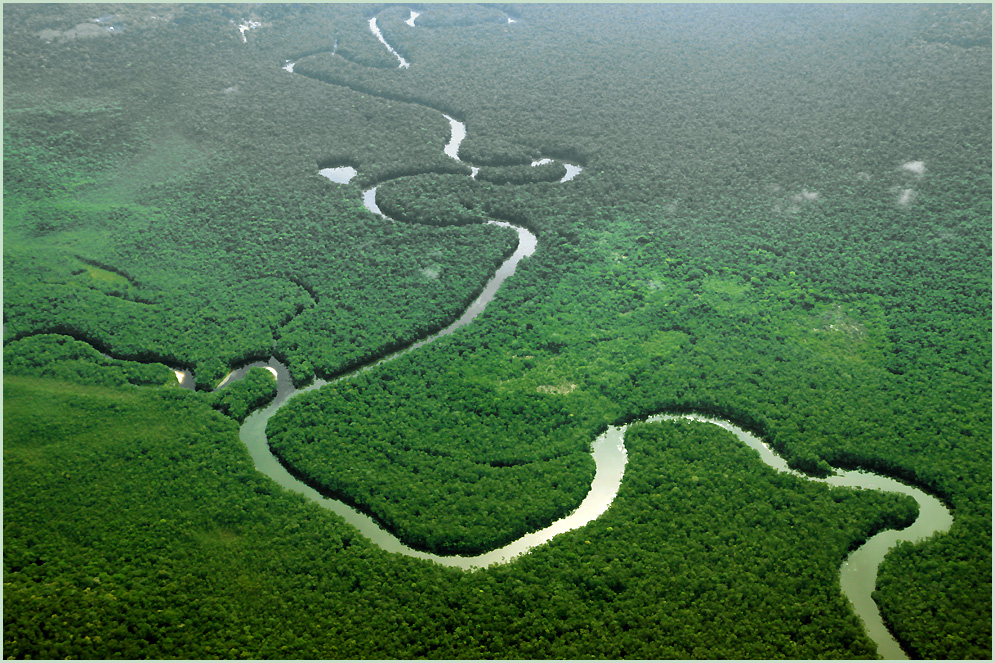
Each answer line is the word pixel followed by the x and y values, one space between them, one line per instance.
pixel 858 572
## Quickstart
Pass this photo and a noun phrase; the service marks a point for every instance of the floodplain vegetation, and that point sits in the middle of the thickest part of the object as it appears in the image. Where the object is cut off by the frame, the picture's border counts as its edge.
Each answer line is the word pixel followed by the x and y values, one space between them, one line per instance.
pixel 783 219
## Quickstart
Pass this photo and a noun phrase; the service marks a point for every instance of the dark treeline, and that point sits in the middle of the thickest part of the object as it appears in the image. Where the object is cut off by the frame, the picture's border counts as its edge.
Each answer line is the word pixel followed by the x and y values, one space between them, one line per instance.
pixel 66 359
pixel 63 358
pixel 784 218
pixel 547 172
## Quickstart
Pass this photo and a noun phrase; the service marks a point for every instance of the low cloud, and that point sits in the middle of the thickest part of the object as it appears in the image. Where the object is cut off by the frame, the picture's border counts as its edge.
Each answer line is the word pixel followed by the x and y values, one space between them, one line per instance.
pixel 805 195
pixel 906 196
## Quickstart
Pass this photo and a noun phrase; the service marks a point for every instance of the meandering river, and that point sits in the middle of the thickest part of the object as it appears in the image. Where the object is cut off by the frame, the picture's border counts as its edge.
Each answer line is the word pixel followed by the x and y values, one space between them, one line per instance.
pixel 858 572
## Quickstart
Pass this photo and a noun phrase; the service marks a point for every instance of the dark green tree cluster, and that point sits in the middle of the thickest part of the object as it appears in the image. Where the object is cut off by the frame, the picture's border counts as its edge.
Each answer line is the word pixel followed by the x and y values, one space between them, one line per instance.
pixel 361 316
pixel 435 200
pixel 416 447
pixel 64 358
pixel 239 399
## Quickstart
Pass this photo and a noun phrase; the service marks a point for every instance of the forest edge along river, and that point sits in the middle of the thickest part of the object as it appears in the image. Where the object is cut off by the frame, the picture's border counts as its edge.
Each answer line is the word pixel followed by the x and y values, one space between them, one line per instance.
pixel 857 573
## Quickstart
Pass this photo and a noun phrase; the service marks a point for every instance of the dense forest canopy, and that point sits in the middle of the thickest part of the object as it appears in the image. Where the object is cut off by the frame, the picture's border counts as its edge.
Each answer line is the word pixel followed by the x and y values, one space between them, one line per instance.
pixel 783 218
